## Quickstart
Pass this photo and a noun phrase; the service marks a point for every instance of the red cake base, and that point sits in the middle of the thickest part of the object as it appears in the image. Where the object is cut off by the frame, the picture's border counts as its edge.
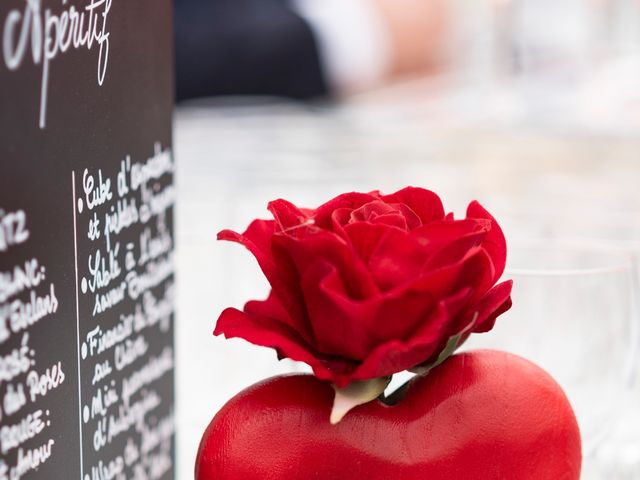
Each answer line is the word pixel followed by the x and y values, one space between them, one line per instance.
pixel 480 415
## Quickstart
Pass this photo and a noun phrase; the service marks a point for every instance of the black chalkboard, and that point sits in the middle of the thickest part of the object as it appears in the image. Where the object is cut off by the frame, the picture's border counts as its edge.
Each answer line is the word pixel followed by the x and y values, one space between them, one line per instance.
pixel 86 240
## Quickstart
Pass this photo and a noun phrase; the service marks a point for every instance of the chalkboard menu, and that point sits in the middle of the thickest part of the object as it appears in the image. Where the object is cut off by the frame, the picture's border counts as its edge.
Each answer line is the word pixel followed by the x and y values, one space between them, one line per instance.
pixel 86 240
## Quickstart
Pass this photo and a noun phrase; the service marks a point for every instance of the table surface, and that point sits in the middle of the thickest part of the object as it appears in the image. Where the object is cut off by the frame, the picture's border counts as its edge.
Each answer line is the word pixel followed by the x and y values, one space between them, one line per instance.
pixel 233 157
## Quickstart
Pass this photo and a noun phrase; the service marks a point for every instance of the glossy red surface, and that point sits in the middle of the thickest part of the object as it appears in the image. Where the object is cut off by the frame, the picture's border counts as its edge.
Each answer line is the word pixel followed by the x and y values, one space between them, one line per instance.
pixel 480 415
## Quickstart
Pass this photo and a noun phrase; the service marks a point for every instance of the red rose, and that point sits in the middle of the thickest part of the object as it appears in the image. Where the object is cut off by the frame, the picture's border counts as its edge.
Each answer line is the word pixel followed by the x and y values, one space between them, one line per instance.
pixel 368 285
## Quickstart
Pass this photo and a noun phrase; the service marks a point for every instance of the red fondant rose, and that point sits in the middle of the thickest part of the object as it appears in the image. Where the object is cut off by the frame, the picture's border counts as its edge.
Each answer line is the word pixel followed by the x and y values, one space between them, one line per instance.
pixel 368 285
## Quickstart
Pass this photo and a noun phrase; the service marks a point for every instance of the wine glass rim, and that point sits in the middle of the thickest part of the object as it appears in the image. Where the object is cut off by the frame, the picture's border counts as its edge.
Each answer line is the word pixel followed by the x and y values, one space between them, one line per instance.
pixel 619 259
pixel 565 272
pixel 618 219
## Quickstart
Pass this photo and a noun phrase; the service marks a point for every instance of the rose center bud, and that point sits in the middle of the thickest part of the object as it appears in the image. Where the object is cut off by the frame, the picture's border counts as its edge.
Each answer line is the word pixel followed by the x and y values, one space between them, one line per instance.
pixel 379 212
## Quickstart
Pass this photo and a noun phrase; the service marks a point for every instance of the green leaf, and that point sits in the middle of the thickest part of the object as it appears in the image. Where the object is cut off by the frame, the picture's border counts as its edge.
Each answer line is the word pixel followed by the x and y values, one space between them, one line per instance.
pixel 356 393
pixel 452 345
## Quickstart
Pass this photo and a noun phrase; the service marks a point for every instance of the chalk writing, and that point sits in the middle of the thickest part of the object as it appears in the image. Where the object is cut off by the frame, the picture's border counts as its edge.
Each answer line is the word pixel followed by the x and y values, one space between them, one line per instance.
pixel 128 269
pixel 13 230
pixel 52 34
pixel 26 299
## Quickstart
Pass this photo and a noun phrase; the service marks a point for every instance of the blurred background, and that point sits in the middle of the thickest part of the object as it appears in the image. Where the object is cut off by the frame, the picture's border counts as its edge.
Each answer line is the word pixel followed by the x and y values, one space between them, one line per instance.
pixel 530 106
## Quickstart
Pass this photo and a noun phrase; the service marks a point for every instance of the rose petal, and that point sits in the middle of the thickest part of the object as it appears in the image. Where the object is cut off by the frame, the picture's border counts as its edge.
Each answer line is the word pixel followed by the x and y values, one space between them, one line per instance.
pixel 397 258
pixel 257 239
pixel 392 220
pixel 411 218
pixel 398 355
pixel 400 314
pixel 442 281
pixel 493 304
pixel 478 274
pixel 452 307
pixel 344 326
pixel 425 203
pixel 352 200
pixel 339 219
pixel 273 308
pixel 448 241
pixel 287 215
pixel 494 242
pixel 364 238
pixel 280 275
pixel 267 332
pixel 370 210
pixel 327 246
pixel 340 326
pixel 379 212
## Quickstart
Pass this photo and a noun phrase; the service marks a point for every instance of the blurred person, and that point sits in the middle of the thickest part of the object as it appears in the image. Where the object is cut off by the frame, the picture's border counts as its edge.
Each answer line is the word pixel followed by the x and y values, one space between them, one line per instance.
pixel 301 48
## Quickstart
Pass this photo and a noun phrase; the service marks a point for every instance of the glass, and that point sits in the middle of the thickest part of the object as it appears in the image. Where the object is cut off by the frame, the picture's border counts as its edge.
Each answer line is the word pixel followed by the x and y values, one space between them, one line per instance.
pixel 574 315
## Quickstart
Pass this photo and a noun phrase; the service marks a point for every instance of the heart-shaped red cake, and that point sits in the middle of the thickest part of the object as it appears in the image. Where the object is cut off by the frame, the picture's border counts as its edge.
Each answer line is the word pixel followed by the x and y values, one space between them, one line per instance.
pixel 482 415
